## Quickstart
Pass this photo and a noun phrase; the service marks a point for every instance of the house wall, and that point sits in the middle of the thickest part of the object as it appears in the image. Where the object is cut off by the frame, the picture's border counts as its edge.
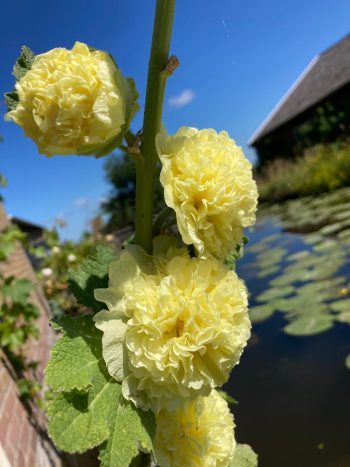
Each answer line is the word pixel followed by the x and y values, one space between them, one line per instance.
pixel 23 439
pixel 289 141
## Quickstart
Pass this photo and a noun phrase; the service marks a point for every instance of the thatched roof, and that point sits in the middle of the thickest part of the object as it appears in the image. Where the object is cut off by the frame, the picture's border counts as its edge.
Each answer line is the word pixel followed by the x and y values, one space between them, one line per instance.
pixel 326 73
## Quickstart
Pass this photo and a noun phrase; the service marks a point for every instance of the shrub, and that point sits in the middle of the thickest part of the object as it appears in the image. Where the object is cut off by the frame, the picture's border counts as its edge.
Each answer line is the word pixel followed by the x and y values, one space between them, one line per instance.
pixel 322 168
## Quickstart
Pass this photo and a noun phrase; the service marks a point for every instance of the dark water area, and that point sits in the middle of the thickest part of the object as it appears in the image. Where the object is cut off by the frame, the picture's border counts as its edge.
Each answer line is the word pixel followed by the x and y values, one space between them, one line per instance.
pixel 293 392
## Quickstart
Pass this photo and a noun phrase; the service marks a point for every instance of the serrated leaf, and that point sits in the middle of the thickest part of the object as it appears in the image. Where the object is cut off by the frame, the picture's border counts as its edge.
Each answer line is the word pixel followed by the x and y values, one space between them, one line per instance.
pixel 79 421
pixel 92 410
pixel 132 430
pixel 76 356
pixel 11 99
pixel 244 456
pixel 91 275
pixel 23 63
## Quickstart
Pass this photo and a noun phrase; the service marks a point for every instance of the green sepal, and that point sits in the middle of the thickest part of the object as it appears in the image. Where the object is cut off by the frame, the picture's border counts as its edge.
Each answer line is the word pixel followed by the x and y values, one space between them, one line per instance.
pixel 11 99
pixel 81 339
pixel 92 274
pixel 23 63
pixel 244 456
pixel 229 399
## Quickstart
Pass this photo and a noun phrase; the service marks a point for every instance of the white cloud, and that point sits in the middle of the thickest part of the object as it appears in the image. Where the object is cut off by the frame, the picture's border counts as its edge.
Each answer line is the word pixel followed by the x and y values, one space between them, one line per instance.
pixel 81 202
pixel 182 99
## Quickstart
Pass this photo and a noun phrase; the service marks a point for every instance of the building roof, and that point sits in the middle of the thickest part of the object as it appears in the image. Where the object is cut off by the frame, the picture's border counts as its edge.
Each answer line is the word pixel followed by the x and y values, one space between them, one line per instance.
pixel 325 74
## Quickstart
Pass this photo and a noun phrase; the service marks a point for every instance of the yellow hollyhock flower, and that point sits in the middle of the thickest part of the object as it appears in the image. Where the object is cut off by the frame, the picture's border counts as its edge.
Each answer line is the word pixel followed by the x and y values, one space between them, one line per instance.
pixel 74 102
pixel 175 325
pixel 198 433
pixel 208 182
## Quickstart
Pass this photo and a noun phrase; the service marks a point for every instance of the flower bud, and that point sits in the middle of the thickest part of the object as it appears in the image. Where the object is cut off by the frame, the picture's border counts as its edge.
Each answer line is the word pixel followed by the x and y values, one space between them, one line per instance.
pixel 46 272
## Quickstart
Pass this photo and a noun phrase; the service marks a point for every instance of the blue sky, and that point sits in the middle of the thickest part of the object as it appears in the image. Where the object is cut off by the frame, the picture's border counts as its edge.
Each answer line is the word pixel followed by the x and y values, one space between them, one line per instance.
pixel 237 60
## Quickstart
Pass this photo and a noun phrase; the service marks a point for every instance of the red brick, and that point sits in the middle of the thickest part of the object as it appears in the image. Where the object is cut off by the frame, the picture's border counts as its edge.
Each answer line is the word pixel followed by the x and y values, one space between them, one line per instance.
pixel 15 425
pixel 7 411
pixel 5 384
pixel 25 435
pixel 10 453
pixel 32 460
pixel 33 439
pixel 21 460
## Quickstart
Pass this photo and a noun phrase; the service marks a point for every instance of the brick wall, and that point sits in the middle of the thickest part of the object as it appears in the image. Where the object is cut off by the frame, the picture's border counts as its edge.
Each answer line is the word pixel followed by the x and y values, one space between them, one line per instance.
pixel 23 439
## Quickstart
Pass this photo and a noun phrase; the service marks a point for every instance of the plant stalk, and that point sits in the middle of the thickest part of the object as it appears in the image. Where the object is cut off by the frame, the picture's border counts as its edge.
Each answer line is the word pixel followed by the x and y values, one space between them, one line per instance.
pixel 145 166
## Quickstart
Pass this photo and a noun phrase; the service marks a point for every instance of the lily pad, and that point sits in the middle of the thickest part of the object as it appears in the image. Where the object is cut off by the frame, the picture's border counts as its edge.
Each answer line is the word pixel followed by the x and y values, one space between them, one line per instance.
pixel 275 292
pixel 343 317
pixel 302 254
pixel 331 229
pixel 309 325
pixel 347 361
pixel 313 238
pixel 340 305
pixel 290 278
pixel 268 271
pixel 260 313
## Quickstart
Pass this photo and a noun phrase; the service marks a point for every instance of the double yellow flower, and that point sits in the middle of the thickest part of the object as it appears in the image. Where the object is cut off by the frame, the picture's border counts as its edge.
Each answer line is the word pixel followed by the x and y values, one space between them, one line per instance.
pixel 74 102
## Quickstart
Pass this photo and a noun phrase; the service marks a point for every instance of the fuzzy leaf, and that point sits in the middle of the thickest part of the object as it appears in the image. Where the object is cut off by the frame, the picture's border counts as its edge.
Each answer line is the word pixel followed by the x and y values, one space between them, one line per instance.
pixel 244 456
pixel 132 430
pixel 92 274
pixel 23 63
pixel 81 338
pixel 79 421
pixel 92 410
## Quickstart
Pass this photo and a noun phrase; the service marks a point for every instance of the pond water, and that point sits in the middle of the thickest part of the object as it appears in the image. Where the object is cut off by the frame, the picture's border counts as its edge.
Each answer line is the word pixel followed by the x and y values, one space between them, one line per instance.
pixel 293 381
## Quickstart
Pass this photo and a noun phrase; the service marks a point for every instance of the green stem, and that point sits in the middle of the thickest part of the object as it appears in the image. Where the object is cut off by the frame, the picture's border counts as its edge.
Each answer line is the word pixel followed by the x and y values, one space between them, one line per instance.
pixel 145 167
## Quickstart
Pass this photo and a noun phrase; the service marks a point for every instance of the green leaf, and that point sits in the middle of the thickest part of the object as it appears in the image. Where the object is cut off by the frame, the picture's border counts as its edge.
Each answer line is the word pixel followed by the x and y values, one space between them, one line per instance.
pixel 132 430
pixel 92 274
pixel 11 99
pixel 79 421
pixel 23 63
pixel 77 355
pixel 244 456
pixel 91 410
pixel 17 290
